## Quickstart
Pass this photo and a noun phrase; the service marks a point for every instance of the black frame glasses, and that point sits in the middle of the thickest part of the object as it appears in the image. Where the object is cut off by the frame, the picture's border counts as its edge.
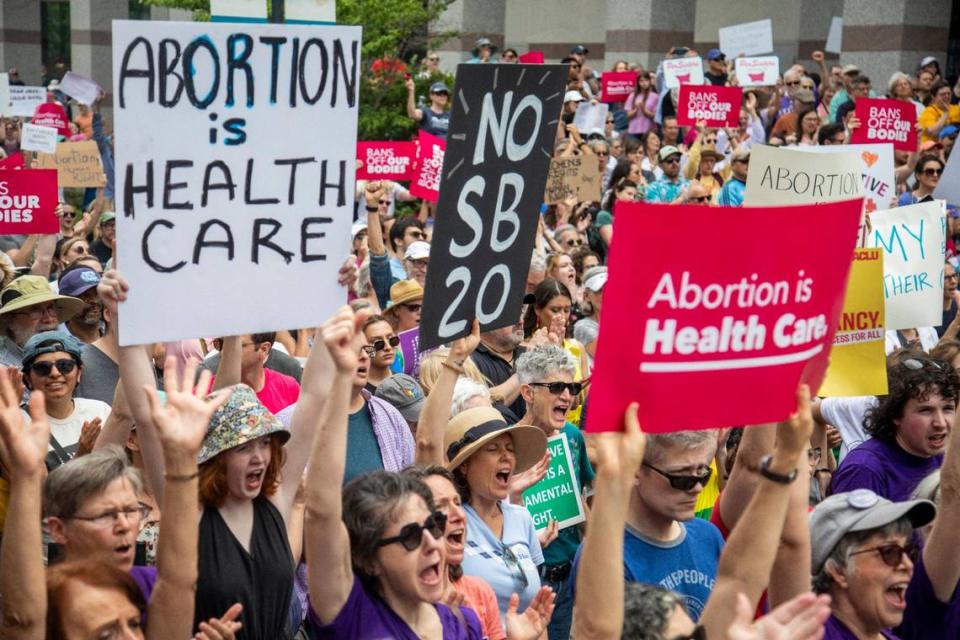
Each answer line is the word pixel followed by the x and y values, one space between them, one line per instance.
pixel 380 344
pixel 683 482
pixel 108 518
pixel 64 365
pixel 556 388
pixel 411 535
pixel 892 553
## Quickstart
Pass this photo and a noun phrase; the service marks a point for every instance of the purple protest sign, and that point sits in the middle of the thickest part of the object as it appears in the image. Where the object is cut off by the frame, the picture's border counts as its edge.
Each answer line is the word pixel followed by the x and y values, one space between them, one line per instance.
pixel 410 348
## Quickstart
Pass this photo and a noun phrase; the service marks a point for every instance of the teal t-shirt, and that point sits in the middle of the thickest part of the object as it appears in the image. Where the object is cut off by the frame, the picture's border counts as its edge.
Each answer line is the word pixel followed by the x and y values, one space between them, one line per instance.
pixel 363 450
pixel 564 548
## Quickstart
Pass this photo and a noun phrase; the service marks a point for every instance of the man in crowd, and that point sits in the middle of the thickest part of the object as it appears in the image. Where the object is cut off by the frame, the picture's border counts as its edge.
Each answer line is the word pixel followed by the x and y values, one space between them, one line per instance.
pixel 243 359
pixel 416 259
pixel 716 73
pixel 732 192
pixel 27 307
pixel 669 188
pixel 81 282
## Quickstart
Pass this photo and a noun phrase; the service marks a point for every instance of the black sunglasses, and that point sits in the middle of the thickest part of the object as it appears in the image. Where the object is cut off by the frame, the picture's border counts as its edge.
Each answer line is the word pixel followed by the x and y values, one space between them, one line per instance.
pixel 44 369
pixel 556 388
pixel 683 483
pixel 671 160
pixel 932 172
pixel 413 307
pixel 892 554
pixel 380 344
pixel 412 534
pixel 700 199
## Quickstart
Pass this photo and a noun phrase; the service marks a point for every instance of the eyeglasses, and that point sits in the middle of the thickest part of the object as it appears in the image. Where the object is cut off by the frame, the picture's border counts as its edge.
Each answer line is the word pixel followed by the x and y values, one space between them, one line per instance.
pixel 814 454
pixel 743 161
pixel 932 172
pixel 419 262
pixel 603 153
pixel 950 276
pixel 700 199
pixel 556 388
pixel 513 563
pixel 367 349
pixel 673 160
pixel 684 483
pixel 892 553
pixel 795 83
pixel 434 58
pixel 710 140
pixel 107 518
pixel 37 311
pixel 574 242
pixel 411 535
pixel 44 369
pixel 699 633
pixel 916 365
pixel 384 202
pixel 413 308
pixel 380 344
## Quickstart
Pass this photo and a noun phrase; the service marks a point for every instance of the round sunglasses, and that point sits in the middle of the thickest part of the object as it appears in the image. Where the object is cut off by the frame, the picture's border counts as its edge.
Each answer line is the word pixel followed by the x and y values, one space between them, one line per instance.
pixel 44 369
pixel 411 535
pixel 380 344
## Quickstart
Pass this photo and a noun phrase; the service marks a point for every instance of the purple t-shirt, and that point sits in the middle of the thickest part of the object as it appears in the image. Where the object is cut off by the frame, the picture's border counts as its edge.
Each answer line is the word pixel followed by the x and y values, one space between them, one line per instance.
pixel 146 578
pixel 836 630
pixel 926 617
pixel 884 468
pixel 367 617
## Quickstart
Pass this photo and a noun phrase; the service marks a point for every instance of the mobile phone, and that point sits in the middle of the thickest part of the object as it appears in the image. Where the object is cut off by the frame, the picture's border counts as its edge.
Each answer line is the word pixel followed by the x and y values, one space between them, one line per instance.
pixel 679 51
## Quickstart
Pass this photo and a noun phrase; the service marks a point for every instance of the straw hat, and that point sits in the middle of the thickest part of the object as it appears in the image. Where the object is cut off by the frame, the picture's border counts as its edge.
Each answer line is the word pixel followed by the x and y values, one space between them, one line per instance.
pixel 403 292
pixel 27 291
pixel 468 431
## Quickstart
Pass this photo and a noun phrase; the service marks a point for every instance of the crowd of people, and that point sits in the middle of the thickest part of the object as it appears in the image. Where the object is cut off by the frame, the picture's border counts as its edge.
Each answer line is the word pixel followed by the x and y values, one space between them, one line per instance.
pixel 312 483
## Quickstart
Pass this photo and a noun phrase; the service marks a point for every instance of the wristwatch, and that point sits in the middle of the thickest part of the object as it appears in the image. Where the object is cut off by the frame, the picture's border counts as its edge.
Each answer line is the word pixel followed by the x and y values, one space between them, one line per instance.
pixel 767 473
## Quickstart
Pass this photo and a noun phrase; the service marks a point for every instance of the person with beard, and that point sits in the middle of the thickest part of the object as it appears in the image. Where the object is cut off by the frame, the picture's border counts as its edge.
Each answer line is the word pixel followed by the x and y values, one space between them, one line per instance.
pixel 495 357
pixel 27 307
pixel 949 299
pixel 81 282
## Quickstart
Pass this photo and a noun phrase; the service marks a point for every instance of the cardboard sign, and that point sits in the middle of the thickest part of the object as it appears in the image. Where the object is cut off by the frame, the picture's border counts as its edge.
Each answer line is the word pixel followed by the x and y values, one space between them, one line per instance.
pixel 787 176
pixel 591 117
pixel 77 164
pixel 577 176
pixel 757 72
pixel 386 160
pixel 51 114
pixel 34 137
pixel 756 310
pixel 557 496
pixel 678 71
pixel 913 239
pixel 858 364
pixel 242 185
pixel 835 36
pixel 949 186
pixel 716 106
pixel 430 152
pixel 883 120
pixel 494 172
pixel 532 57
pixel 616 86
pixel 82 89
pixel 28 202
pixel 14 161
pixel 25 100
pixel 747 39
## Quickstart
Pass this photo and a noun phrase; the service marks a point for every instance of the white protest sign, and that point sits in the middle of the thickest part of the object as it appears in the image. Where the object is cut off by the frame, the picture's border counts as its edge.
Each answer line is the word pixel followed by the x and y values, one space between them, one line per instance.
pixel 36 137
pixel 677 71
pixel 25 100
pixel 5 94
pixel 749 39
pixel 312 11
pixel 835 36
pixel 949 186
pixel 234 197
pixel 787 176
pixel 912 239
pixel 254 10
pixel 81 88
pixel 757 72
pixel 590 117
pixel 876 167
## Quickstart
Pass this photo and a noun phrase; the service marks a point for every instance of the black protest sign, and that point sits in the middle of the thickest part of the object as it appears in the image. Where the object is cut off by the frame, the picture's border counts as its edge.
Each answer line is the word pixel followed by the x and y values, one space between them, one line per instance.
pixel 499 147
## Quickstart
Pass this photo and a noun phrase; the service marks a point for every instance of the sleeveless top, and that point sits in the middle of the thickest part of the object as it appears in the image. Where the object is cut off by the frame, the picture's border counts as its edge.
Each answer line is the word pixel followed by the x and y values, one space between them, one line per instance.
pixel 262 580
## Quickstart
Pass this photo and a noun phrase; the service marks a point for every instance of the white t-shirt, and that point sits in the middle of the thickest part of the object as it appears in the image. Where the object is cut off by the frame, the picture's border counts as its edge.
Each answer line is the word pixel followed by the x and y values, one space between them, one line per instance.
pixel 846 414
pixel 66 431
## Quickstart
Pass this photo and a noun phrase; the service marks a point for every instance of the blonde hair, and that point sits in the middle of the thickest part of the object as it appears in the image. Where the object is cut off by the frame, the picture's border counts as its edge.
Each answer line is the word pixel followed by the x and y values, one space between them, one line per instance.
pixel 432 365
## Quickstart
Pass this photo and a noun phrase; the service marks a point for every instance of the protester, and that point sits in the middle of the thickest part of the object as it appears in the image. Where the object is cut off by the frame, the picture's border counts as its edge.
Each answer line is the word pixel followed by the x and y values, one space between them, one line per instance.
pixel 406 301
pixel 641 106
pixel 384 363
pixel 587 329
pixel 416 259
pixel 404 394
pixel 243 360
pixel 668 188
pixel 483 52
pixel 434 119
pixel 81 282
pixel 27 307
pixel 733 190
pixel 939 113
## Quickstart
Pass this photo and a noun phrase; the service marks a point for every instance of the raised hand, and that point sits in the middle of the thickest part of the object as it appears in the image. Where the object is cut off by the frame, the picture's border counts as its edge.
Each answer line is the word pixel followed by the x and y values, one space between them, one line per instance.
pixel 801 618
pixel 548 534
pixel 224 628
pixel 532 623
pixel 89 433
pixel 348 273
pixel 622 452
pixel 793 434
pixel 23 446
pixel 817 56
pixel 343 336
pixel 461 349
pixel 113 289
pixel 520 482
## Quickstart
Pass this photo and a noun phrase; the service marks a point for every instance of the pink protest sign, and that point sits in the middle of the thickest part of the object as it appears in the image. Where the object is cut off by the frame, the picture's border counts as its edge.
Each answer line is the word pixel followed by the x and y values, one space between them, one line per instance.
pixel 532 57
pixel 883 120
pixel 14 161
pixel 386 160
pixel 28 201
pixel 426 184
pixel 50 114
pixel 719 336
pixel 617 85
pixel 717 106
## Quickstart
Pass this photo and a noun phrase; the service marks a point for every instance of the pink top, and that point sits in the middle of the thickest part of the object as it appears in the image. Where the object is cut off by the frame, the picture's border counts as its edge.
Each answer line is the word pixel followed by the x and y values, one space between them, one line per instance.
pixel 640 123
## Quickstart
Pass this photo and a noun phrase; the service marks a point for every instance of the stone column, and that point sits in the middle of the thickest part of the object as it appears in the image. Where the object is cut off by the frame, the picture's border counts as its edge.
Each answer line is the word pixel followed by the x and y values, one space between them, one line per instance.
pixel 20 39
pixel 643 31
pixel 471 20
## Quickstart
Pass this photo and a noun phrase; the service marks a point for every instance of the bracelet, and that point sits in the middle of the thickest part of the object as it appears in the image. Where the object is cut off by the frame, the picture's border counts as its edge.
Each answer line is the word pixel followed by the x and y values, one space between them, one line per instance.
pixel 169 477
pixel 453 367
pixel 823 470
pixel 371 209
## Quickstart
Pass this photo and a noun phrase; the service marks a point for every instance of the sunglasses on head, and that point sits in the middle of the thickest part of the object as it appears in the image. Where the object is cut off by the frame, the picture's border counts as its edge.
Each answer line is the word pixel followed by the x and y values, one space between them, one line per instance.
pixel 683 482
pixel 380 344
pixel 556 388
pixel 411 535
pixel 44 369
pixel 892 553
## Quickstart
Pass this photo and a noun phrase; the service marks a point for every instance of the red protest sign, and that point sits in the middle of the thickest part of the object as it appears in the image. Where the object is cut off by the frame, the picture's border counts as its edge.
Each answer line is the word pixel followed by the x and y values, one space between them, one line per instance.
pixel 386 160
pixel 616 85
pixel 14 161
pixel 426 184
pixel 532 57
pixel 50 114
pixel 883 120
pixel 719 336
pixel 717 106
pixel 28 201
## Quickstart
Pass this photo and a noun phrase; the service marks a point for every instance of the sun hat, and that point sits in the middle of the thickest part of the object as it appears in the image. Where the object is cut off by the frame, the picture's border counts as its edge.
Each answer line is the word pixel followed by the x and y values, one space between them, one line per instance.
pixel 859 510
pixel 27 291
pixel 241 419
pixel 709 151
pixel 469 430
pixel 78 281
pixel 404 393
pixel 50 342
pixel 107 216
pixel 417 251
pixel 572 96
pixel 668 151
pixel 483 42
pixel 403 292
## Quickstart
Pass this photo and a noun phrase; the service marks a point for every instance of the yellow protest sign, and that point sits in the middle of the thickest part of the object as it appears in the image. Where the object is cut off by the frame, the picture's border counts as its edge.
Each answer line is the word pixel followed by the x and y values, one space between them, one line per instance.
pixel 858 363
pixel 77 164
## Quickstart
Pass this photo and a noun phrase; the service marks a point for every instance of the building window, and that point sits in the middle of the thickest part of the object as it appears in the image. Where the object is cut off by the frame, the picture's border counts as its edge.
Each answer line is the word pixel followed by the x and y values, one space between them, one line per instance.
pixel 55 36
pixel 139 10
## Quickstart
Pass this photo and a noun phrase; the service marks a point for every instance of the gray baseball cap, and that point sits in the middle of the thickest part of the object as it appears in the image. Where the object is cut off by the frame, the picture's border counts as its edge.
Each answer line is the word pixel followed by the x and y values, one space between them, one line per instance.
pixel 859 510
pixel 404 393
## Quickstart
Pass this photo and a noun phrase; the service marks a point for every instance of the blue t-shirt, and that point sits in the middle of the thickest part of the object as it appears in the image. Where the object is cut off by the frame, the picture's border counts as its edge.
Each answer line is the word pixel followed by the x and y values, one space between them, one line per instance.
pixel 564 548
pixel 484 555
pixel 884 468
pixel 731 193
pixel 436 124
pixel 687 565
pixel 363 450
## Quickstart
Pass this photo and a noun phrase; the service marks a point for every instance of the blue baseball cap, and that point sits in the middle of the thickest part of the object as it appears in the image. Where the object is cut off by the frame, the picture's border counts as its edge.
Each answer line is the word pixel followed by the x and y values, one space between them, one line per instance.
pixel 50 342
pixel 715 54
pixel 439 87
pixel 78 281
pixel 949 130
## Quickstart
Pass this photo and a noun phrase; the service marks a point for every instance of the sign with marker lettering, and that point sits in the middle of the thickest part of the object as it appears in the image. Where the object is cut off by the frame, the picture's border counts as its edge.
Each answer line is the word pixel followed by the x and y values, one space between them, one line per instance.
pixel 25 100
pixel 678 71
pixel 757 72
pixel 883 120
pixel 77 164
pixel 429 162
pixel 913 239
pixel 756 310
pixel 386 160
pixel 51 114
pixel 713 105
pixel 28 201
pixel 241 188
pixel 787 176
pixel 577 176
pixel 747 39
pixel 35 137
pixel 858 362
pixel 499 148
pixel 616 86
pixel 557 496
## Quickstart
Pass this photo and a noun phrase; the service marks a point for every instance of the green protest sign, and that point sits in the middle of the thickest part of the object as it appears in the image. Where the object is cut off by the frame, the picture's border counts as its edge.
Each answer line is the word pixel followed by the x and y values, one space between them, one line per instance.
pixel 557 496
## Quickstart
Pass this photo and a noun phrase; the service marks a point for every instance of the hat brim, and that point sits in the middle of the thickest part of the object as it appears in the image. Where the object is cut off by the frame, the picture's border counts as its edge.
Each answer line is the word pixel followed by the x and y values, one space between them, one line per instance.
pixel 411 412
pixel 403 300
pixel 276 429
pixel 67 306
pixel 711 154
pixel 529 445
pixel 920 512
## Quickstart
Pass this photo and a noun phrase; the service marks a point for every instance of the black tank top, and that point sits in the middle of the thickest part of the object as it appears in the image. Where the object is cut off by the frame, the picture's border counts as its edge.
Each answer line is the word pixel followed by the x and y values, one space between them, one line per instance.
pixel 261 580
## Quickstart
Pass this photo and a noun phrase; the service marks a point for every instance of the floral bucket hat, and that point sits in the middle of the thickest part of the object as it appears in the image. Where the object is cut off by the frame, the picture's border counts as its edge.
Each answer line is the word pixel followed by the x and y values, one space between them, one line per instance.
pixel 241 419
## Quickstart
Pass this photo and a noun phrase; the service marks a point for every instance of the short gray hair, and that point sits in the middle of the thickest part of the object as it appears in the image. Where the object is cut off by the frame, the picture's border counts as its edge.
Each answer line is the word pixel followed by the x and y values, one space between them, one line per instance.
pixel 73 483
pixel 563 228
pixel 657 442
pixel 840 556
pixel 465 390
pixel 537 363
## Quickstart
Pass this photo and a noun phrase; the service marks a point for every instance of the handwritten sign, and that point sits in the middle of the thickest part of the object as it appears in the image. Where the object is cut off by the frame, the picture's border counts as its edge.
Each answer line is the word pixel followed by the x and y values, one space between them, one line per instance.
pixel 426 183
pixel 25 100
pixel 616 86
pixel 714 105
pixel 28 202
pixel 574 176
pixel 678 71
pixel 883 120
pixel 590 117
pixel 500 143
pixel 50 114
pixel 242 182
pixel 787 176
pixel 748 38
pixel 913 240
pixel 386 160
pixel 77 164
pixel 79 87
pixel 757 72
pixel 557 496
pixel 756 310
pixel 858 364
pixel 35 137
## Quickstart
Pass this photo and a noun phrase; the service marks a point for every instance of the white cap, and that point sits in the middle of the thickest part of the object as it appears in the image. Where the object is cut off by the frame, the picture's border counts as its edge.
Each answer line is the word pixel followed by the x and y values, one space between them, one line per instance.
pixel 357 228
pixel 572 96
pixel 417 251
pixel 596 281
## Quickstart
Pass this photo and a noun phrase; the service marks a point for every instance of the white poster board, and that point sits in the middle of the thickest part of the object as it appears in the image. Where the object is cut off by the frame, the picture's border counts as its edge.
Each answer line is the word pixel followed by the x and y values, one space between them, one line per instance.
pixel 677 71
pixel 787 176
pixel 949 186
pixel 312 11
pixel 912 239
pixel 36 137
pixel 748 39
pixel 757 72
pixel 590 117
pixel 25 100
pixel 5 94
pixel 82 89
pixel 835 36
pixel 259 247
pixel 226 10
